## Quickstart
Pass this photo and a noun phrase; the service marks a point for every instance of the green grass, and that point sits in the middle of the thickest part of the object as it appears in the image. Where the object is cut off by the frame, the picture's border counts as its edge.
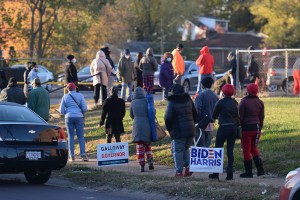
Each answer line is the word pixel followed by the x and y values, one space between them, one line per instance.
pixel 279 145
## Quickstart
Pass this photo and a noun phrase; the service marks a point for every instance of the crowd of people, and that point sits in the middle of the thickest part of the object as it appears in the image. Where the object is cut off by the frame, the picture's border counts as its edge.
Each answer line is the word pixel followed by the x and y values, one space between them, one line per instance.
pixel 181 116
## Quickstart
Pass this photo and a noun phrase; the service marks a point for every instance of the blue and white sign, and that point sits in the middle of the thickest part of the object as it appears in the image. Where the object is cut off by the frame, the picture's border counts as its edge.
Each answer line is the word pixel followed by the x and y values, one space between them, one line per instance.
pixel 112 154
pixel 206 159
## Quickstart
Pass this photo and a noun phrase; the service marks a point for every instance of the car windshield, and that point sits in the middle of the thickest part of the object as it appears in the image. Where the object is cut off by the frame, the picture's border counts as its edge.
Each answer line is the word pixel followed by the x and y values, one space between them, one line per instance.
pixel 18 114
pixel 85 70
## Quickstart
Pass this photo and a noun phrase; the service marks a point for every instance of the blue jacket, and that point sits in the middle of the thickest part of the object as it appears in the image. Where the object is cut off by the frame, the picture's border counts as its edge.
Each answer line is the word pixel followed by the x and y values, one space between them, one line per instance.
pixel 205 103
pixel 70 108
pixel 166 75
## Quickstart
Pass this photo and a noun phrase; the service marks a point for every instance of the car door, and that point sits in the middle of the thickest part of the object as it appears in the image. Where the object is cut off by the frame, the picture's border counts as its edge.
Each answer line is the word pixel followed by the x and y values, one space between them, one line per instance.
pixel 193 75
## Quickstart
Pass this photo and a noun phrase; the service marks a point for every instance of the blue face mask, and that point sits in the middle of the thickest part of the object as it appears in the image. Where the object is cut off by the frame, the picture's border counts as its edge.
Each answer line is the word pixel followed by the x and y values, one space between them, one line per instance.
pixel 169 59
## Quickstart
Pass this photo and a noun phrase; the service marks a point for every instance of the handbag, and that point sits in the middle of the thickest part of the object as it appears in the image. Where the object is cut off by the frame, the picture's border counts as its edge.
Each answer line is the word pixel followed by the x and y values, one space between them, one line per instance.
pixel 161 133
pixel 239 132
pixel 203 123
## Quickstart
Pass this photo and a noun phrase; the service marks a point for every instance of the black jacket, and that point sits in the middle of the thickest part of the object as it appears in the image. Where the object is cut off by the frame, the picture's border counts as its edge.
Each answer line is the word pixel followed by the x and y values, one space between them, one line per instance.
pixel 13 94
pixel 180 116
pixel 226 111
pixel 114 109
pixel 70 73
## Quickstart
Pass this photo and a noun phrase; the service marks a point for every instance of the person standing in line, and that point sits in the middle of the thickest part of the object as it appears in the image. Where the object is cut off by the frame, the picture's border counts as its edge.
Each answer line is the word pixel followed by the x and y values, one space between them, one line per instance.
pixel 33 74
pixel 180 118
pixel 3 83
pixel 178 63
pixel 148 65
pixel 141 130
pixel 296 76
pixel 252 114
pixel 27 83
pixel 242 71
pixel 205 103
pixel 253 69
pixel 138 71
pixel 71 71
pixel 226 111
pixel 205 62
pixel 39 100
pixel 12 93
pixel 166 74
pixel 114 109
pixel 126 75
pixel 73 106
pixel 100 70
pixel 113 73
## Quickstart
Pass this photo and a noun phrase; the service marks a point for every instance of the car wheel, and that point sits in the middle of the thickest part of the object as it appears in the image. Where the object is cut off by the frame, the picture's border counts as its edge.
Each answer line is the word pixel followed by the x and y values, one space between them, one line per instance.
pixel 272 88
pixel 186 86
pixel 37 176
pixel 290 86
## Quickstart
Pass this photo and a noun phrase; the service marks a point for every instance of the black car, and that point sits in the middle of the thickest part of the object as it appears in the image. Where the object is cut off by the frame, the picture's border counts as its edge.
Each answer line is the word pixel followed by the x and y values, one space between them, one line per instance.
pixel 29 144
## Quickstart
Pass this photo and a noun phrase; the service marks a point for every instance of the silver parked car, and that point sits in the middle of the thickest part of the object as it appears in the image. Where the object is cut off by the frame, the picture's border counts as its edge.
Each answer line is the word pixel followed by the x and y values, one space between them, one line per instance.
pixel 189 80
pixel 276 76
pixel 44 74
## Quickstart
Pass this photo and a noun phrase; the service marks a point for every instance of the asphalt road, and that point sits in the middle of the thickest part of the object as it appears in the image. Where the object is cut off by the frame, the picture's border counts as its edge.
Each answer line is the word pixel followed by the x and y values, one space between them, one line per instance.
pixel 14 187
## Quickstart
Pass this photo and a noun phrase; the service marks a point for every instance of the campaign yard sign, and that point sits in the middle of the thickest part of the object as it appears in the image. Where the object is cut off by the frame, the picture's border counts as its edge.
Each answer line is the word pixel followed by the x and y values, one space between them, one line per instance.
pixel 112 154
pixel 206 159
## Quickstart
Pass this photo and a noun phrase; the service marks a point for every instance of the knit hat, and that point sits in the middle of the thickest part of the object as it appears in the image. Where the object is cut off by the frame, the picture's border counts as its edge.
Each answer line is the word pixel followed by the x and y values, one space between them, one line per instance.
pixel 126 52
pixel 179 46
pixel 70 57
pixel 228 90
pixel 177 89
pixel 115 90
pixel 207 82
pixel 71 86
pixel 252 89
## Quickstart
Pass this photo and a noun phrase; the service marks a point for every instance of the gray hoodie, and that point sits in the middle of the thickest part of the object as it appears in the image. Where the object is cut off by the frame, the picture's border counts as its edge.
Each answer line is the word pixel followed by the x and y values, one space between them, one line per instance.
pixel 148 63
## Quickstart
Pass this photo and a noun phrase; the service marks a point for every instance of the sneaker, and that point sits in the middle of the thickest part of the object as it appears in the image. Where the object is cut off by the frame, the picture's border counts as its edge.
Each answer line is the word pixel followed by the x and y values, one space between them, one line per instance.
pixel 187 171
pixel 84 158
pixel 178 174
pixel 72 159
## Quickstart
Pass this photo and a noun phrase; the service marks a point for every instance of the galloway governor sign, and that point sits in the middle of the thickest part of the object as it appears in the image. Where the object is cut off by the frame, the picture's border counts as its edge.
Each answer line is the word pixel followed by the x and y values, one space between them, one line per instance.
pixel 112 153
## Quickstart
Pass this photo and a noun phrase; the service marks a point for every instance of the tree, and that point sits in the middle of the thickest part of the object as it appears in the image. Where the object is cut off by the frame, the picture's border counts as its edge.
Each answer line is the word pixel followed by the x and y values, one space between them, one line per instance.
pixel 282 22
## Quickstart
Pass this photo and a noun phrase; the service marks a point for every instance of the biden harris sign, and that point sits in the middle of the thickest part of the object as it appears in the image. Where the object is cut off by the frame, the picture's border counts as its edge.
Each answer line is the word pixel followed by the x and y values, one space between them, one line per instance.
pixel 206 159
pixel 112 154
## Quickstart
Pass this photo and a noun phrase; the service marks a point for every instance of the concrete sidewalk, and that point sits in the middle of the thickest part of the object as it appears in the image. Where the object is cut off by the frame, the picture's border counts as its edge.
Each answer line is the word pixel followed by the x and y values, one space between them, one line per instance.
pixel 134 168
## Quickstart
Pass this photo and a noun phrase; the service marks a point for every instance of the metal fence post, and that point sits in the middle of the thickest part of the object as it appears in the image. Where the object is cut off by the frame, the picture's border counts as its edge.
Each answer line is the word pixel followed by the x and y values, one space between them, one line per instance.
pixel 286 71
pixel 237 70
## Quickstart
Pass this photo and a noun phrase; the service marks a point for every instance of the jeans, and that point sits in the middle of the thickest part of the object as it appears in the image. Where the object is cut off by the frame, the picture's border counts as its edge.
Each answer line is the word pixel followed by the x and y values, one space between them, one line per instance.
pixel 97 92
pixel 228 133
pixel 205 139
pixel 76 123
pixel 123 90
pixel 181 154
pixel 200 78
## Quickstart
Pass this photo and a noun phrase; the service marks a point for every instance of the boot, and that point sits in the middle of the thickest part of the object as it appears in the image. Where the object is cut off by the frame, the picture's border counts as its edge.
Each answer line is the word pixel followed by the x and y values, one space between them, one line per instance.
pixel 248 169
pixel 142 168
pixel 150 162
pixel 214 176
pixel 259 165
pixel 229 176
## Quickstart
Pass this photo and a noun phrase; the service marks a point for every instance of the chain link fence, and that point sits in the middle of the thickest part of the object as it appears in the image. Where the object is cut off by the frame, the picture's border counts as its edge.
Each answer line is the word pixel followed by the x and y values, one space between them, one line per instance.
pixel 274 67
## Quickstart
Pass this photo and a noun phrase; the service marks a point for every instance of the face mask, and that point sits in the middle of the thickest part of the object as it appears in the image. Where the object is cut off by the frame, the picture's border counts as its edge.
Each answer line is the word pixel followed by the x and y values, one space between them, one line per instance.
pixel 36 69
pixel 169 59
pixel 127 56
pixel 73 60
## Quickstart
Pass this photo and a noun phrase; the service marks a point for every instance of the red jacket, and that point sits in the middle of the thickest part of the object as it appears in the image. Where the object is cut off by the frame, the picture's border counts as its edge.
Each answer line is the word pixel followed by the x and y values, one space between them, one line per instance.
pixel 205 61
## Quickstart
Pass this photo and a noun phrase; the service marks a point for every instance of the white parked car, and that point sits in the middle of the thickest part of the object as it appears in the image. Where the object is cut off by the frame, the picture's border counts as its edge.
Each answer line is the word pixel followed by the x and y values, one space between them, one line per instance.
pixel 44 74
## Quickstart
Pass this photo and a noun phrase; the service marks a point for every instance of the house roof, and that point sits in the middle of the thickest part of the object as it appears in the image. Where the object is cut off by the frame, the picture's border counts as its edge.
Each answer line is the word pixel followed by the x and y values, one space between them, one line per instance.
pixel 229 40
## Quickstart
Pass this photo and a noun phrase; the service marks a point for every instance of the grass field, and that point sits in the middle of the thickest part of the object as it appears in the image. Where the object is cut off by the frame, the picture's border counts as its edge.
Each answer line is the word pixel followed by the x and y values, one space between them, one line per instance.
pixel 279 145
